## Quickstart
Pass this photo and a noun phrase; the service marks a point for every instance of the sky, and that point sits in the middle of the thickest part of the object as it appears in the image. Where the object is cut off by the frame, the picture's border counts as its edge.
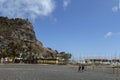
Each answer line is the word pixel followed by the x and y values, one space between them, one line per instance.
pixel 84 28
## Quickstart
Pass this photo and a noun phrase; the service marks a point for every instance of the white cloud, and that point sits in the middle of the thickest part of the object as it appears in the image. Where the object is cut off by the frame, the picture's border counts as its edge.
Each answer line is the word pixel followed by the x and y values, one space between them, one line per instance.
pixel 66 3
pixel 110 34
pixel 26 8
pixel 117 7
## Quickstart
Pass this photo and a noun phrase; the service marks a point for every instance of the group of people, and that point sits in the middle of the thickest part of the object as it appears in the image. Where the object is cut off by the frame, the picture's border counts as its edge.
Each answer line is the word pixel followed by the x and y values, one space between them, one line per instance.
pixel 81 67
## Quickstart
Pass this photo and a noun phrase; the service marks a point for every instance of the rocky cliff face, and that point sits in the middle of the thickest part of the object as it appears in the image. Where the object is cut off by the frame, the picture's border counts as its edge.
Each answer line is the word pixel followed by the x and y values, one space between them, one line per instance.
pixel 17 29
pixel 18 36
pixel 17 39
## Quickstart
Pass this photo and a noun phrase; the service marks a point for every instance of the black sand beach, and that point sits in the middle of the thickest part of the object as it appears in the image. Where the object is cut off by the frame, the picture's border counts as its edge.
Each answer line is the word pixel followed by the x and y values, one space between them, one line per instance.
pixel 54 72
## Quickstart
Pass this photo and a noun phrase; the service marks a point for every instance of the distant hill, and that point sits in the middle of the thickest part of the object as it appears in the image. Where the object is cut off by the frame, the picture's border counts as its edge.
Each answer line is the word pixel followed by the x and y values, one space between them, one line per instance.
pixel 17 37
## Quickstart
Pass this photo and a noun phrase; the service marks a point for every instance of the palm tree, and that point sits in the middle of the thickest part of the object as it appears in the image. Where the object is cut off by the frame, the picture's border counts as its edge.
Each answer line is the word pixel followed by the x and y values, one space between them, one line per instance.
pixel 14 50
pixel 65 56
pixel 3 53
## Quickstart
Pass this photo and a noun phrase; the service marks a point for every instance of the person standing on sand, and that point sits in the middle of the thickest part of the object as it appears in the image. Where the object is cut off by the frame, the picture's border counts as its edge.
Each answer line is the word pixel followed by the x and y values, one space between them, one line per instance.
pixel 113 68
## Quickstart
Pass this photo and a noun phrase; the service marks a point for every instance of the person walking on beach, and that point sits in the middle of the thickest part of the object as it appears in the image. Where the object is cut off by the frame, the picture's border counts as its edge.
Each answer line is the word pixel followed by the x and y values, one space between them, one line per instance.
pixel 83 67
pixel 79 67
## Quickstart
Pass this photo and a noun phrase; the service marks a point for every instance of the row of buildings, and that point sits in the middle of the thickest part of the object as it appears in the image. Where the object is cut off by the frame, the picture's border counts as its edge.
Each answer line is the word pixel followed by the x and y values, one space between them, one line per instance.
pixel 101 61
pixel 57 60
pixel 35 61
pixel 96 61
pixel 60 60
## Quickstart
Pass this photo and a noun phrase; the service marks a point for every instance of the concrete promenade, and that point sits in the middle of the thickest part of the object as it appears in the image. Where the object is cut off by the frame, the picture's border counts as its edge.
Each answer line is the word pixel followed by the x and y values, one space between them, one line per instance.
pixel 54 72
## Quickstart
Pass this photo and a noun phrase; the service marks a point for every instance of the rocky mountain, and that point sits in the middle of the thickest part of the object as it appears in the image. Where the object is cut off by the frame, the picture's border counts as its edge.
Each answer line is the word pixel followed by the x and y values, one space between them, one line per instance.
pixel 17 37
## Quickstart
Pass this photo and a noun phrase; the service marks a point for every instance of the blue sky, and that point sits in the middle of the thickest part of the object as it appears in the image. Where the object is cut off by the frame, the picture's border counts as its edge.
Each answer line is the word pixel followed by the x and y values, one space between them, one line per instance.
pixel 87 28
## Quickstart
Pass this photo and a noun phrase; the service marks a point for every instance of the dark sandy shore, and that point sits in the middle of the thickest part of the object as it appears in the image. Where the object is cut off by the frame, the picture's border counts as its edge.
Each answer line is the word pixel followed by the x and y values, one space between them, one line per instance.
pixel 54 72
